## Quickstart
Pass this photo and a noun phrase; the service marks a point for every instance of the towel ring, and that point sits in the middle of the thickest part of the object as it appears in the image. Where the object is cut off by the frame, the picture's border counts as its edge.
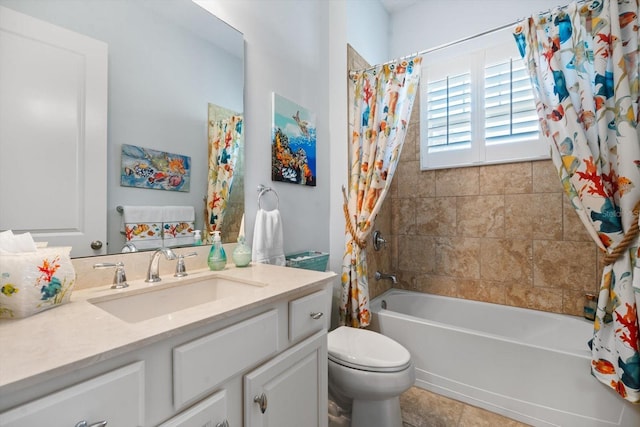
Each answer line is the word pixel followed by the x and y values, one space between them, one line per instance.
pixel 262 190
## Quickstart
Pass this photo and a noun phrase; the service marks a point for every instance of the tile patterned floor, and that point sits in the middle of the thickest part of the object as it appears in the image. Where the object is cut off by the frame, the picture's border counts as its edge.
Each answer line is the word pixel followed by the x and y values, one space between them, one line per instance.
pixel 421 408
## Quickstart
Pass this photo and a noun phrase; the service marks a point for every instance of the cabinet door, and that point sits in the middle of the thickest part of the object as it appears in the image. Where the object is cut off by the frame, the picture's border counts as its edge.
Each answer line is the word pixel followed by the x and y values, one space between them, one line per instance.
pixel 211 412
pixel 290 388
pixel 116 397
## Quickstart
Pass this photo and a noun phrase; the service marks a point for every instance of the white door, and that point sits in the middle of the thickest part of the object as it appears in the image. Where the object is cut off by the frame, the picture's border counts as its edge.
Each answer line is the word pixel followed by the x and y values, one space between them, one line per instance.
pixel 53 133
pixel 291 389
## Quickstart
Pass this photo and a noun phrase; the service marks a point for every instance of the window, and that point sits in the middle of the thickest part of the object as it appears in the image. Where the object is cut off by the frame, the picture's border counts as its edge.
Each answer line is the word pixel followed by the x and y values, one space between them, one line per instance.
pixel 477 105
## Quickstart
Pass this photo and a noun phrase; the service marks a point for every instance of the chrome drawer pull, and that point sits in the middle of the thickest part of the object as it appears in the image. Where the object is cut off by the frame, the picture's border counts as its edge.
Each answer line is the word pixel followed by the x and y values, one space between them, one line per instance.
pixel 225 423
pixel 316 316
pixel 85 424
pixel 262 401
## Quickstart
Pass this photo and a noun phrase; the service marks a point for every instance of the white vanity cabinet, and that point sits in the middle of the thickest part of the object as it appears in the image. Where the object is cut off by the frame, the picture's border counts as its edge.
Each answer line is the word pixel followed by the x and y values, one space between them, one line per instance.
pixel 291 389
pixel 205 375
pixel 116 397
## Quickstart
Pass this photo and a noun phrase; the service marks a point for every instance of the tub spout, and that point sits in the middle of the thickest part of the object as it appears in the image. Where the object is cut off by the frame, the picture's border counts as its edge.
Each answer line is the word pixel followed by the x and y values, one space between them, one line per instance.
pixel 379 276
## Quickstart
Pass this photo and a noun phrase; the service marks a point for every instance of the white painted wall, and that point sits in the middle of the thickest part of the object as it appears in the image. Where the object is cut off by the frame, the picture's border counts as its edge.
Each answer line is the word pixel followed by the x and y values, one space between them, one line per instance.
pixel 431 23
pixel 368 29
pixel 287 51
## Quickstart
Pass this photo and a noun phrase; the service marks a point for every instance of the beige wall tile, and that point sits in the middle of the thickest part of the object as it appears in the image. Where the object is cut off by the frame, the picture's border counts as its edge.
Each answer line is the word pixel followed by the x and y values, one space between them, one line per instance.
pixel 412 182
pixel 569 265
pixel 545 177
pixel 458 257
pixel 572 226
pixel 533 216
pixel 545 299
pixel 411 146
pixel 436 216
pixel 404 217
pixel 437 285
pixel 509 178
pixel 458 182
pixel 481 290
pixel 480 216
pixel 507 260
pixel 417 253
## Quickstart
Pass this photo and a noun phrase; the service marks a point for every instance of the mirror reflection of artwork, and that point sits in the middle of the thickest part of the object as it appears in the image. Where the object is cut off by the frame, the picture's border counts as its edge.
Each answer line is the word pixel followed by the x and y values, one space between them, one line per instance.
pixel 293 143
pixel 225 136
pixel 157 170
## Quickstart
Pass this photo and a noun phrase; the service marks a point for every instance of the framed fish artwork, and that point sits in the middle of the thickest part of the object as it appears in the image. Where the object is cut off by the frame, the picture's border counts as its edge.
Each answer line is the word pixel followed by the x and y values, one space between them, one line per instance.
pixel 293 143
pixel 156 170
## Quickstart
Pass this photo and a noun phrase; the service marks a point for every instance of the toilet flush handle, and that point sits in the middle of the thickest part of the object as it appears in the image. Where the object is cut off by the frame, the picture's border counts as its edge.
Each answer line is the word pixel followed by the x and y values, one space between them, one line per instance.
pixel 262 401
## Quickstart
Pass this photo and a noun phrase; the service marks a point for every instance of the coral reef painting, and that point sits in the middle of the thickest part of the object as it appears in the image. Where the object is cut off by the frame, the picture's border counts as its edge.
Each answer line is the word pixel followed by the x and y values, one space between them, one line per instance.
pixel 293 143
pixel 147 168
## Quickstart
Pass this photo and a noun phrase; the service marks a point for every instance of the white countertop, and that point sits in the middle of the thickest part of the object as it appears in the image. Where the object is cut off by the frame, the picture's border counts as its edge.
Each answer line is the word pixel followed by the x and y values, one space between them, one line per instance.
pixel 79 334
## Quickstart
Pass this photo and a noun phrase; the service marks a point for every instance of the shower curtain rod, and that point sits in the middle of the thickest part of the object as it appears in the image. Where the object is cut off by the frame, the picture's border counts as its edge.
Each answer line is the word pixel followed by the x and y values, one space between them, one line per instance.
pixel 453 43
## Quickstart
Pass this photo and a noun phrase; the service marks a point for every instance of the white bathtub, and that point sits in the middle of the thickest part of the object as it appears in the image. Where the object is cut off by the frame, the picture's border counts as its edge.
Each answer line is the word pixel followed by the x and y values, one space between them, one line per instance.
pixel 529 365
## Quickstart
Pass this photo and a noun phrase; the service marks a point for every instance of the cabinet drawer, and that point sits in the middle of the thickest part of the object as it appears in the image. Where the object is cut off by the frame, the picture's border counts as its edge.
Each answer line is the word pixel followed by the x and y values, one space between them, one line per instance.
pixel 203 364
pixel 308 314
pixel 211 412
pixel 116 397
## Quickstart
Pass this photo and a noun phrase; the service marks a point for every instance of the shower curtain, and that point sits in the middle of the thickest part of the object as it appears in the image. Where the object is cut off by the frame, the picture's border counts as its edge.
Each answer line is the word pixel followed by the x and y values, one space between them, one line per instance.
pixel 583 62
pixel 379 115
pixel 225 138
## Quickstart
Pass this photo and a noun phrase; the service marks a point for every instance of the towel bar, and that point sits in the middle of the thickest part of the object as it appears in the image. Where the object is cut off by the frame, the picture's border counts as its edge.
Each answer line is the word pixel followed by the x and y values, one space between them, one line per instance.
pixel 262 190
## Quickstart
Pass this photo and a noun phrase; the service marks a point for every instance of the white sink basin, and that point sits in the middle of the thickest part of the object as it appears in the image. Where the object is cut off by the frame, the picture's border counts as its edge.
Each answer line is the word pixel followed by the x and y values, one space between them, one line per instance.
pixel 162 299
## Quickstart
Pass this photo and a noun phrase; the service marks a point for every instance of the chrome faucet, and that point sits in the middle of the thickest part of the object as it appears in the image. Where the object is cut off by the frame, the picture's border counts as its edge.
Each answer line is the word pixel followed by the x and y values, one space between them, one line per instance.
pixel 153 274
pixel 379 276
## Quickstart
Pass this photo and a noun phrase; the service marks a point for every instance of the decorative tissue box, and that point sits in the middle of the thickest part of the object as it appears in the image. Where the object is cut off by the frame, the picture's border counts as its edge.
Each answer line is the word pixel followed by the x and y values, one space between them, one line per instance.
pixel 31 282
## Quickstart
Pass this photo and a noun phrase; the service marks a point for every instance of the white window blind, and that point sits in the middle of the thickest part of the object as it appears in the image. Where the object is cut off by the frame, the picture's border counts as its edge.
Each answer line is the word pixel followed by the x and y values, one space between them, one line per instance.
pixel 509 107
pixel 449 111
pixel 477 105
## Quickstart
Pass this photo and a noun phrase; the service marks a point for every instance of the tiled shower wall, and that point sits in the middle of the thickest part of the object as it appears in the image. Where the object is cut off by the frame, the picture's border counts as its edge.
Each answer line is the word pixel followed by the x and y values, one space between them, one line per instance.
pixel 503 233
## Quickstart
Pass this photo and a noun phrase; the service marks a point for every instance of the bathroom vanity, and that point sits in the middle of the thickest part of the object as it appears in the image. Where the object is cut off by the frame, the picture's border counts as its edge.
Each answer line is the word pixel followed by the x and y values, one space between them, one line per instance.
pixel 249 350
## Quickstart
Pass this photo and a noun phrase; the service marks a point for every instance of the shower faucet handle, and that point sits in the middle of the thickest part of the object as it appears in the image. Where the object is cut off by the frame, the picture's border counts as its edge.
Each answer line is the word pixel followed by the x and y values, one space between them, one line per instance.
pixel 378 241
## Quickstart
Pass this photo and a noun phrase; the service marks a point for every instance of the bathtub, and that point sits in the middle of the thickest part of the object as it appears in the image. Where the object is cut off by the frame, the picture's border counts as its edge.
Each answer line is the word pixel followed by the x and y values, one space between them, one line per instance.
pixel 528 365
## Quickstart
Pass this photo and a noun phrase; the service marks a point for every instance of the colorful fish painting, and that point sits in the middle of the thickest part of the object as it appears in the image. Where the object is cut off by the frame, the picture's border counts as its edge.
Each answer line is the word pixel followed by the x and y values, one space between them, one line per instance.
pixel 152 169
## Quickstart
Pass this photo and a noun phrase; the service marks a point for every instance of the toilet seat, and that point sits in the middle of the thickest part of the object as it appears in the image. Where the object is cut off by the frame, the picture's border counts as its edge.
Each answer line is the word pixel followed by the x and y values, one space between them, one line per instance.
pixel 366 350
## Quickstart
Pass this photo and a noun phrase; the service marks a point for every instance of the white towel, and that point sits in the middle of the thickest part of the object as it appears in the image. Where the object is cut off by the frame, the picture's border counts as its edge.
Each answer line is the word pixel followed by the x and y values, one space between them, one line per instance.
pixel 178 223
pixel 267 238
pixel 143 226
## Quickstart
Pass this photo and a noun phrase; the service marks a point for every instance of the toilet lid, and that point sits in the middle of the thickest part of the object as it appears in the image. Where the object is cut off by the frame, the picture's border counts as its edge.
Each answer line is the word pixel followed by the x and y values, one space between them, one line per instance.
pixel 366 350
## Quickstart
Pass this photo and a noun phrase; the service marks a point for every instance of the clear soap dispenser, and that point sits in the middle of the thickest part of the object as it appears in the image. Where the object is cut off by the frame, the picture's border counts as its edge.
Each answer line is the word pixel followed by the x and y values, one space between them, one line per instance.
pixel 217 257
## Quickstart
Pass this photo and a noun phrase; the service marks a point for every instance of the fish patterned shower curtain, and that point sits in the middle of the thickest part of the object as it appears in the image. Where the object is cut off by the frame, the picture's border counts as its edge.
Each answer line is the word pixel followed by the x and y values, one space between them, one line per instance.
pixel 583 62
pixel 379 116
pixel 225 139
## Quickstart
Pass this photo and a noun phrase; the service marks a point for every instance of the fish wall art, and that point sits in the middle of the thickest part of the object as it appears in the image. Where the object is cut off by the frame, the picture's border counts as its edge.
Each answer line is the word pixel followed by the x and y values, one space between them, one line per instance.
pixel 147 168
pixel 293 143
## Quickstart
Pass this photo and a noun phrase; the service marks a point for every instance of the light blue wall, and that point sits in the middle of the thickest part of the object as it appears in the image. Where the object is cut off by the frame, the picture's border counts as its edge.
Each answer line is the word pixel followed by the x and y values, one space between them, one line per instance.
pixel 368 29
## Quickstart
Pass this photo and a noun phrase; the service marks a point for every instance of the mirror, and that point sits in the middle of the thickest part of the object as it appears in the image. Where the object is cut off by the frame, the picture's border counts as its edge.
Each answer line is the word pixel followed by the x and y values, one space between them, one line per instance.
pixel 167 61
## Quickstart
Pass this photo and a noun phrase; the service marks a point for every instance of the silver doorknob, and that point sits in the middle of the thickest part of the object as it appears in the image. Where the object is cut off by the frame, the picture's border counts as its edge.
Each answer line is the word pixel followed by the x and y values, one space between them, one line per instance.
pixel 96 244
pixel 262 401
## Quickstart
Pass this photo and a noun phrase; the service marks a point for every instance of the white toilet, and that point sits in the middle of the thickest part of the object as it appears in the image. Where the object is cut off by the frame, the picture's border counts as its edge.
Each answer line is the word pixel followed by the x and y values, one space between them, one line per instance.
pixel 368 371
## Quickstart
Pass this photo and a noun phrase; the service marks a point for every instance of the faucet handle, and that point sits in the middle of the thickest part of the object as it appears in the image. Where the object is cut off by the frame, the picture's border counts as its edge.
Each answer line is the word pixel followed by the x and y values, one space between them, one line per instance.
pixel 181 270
pixel 120 277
